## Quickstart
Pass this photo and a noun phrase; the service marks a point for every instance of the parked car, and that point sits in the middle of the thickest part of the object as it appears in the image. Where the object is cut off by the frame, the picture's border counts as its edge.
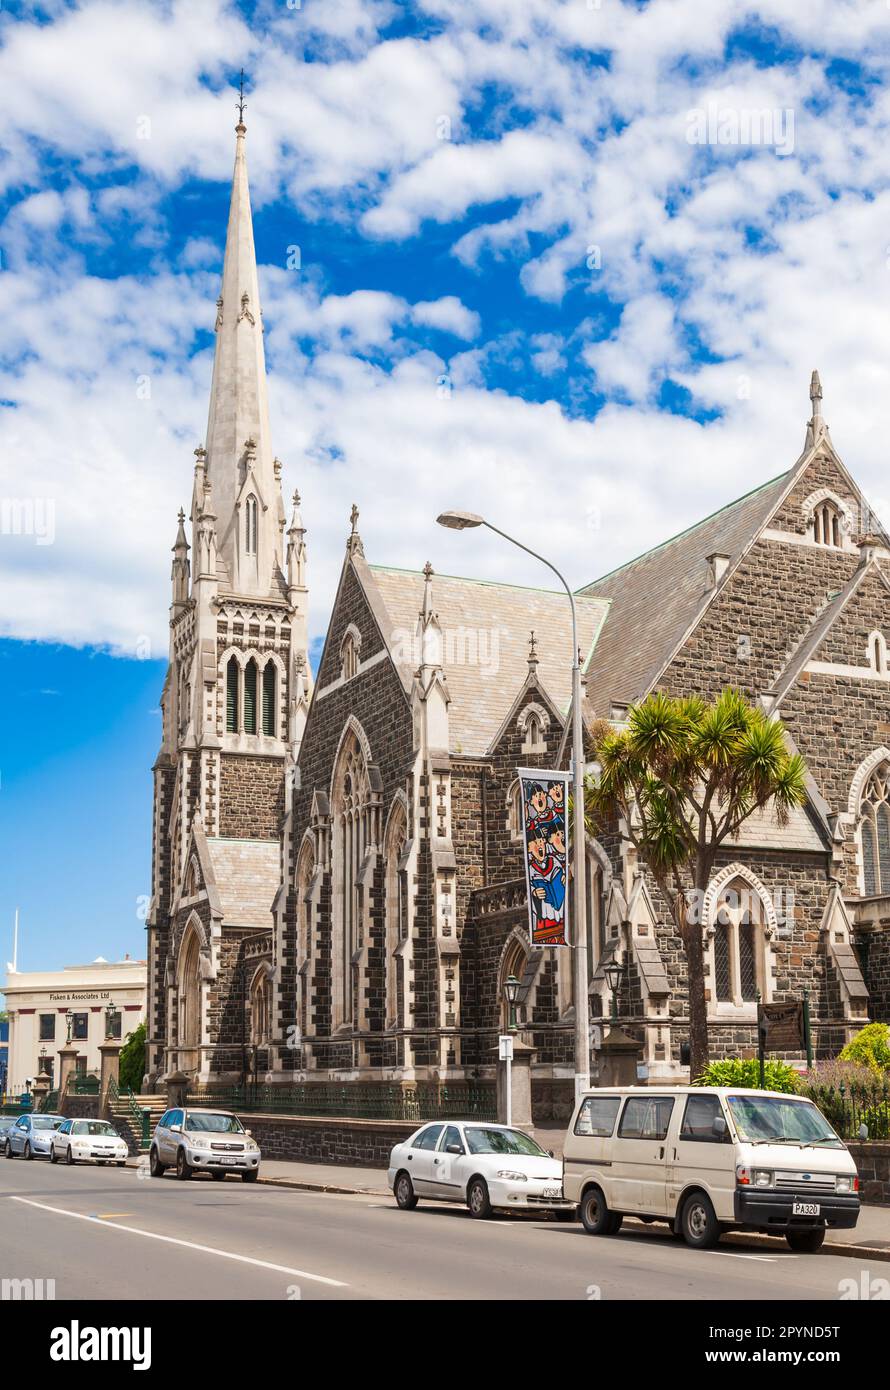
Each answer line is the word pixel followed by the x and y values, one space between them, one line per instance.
pixel 707 1160
pixel 196 1140
pixel 78 1141
pixel 31 1135
pixel 489 1167
pixel 6 1124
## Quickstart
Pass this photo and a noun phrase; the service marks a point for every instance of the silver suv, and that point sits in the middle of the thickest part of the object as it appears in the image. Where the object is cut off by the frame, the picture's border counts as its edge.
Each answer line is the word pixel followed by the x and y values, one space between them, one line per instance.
pixel 193 1140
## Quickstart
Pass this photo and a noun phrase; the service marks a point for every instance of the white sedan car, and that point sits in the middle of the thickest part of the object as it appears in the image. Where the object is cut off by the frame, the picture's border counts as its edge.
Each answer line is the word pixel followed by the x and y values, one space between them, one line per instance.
pixel 77 1141
pixel 489 1167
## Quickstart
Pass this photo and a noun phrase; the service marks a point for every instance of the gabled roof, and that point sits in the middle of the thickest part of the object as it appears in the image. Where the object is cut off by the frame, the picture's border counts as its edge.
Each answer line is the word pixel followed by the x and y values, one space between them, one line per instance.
pixel 485 629
pixel 247 873
pixel 815 636
pixel 656 598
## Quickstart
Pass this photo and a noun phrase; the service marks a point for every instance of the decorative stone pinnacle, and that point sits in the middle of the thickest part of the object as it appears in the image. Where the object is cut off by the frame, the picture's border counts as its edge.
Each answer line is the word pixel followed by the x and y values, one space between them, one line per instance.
pixel 532 650
pixel 816 394
pixel 428 571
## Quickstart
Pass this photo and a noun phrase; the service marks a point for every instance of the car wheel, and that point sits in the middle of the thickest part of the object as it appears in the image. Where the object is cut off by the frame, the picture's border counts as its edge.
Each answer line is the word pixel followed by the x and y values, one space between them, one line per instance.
pixel 249 1175
pixel 806 1242
pixel 217 1174
pixel 26 1152
pixel 406 1197
pixel 183 1167
pixel 478 1200
pixel 7 1149
pixel 121 1163
pixel 699 1223
pixel 155 1167
pixel 596 1218
pixel 69 1156
pixel 52 1153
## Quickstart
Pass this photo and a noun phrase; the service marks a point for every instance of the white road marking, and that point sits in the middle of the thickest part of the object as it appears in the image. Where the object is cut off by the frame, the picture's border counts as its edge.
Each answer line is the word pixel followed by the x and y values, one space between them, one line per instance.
pixel 764 1259
pixel 188 1244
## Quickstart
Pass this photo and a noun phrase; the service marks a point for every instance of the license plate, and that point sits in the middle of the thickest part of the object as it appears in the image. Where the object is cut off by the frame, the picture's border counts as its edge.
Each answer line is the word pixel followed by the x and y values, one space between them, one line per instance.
pixel 552 1192
pixel 227 1160
pixel 805 1209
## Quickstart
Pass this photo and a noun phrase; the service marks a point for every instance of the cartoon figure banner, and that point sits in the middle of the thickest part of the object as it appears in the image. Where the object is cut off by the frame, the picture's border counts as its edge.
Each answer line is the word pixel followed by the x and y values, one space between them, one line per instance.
pixel 545 798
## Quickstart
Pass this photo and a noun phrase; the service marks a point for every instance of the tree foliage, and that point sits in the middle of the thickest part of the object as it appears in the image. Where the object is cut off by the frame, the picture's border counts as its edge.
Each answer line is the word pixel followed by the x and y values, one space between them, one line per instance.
pixel 683 776
pixel 132 1060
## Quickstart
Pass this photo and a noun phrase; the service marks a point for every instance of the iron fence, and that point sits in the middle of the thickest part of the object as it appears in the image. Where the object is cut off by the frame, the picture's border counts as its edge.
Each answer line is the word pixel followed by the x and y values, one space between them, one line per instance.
pixel 83 1085
pixel 356 1102
pixel 847 1106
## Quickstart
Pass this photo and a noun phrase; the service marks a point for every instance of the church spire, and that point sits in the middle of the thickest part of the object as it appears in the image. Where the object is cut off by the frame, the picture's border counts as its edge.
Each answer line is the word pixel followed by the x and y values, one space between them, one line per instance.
pixel 239 460
pixel 816 426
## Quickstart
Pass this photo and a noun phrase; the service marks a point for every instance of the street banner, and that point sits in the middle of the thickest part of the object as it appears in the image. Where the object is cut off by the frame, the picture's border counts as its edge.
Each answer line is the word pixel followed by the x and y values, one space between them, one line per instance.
pixel 545 797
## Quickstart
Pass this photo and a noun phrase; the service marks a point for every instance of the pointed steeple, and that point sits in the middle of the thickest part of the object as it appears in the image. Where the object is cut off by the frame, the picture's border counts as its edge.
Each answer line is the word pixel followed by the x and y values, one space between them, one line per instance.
pixel 180 570
pixel 816 426
pixel 239 460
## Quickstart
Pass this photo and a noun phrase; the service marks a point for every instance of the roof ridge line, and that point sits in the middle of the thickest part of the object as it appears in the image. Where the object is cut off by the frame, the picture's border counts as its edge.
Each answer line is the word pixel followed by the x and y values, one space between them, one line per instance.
pixel 685 532
pixel 489 583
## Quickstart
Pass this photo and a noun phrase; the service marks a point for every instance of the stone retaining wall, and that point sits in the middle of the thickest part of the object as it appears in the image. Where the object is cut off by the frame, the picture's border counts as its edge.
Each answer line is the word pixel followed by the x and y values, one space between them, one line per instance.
pixel 358 1143
pixel 873 1161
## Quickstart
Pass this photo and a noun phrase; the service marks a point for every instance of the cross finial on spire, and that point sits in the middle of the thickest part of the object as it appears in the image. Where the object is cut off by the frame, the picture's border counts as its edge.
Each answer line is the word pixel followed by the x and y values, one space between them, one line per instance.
pixel 354 543
pixel 241 102
pixel 532 652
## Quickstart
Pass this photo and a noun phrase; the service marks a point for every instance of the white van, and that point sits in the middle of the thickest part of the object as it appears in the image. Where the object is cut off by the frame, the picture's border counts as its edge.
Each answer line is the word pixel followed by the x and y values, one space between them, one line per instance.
pixel 707 1159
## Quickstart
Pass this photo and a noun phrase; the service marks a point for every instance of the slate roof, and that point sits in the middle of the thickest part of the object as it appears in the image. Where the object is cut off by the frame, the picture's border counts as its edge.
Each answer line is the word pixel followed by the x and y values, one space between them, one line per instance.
pixel 762 831
pixel 656 598
pixel 485 628
pixel 247 874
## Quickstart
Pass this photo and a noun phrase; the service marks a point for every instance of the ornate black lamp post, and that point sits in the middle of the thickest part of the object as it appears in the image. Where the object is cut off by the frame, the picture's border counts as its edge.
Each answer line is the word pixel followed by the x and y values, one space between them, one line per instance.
pixel 614 973
pixel 511 994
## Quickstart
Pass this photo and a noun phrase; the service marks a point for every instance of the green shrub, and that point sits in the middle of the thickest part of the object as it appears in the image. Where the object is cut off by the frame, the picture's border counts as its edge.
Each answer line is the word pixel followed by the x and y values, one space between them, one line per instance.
pixel 132 1060
pixel 744 1073
pixel 870 1048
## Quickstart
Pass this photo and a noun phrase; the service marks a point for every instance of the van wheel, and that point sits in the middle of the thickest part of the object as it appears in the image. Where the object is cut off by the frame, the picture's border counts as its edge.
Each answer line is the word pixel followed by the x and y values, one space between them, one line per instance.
pixel 406 1197
pixel 806 1242
pixel 155 1166
pixel 699 1223
pixel 596 1218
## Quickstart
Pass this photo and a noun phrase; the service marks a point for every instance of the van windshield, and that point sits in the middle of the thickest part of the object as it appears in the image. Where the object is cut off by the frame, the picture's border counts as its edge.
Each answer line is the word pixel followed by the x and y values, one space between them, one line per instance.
pixel 780 1120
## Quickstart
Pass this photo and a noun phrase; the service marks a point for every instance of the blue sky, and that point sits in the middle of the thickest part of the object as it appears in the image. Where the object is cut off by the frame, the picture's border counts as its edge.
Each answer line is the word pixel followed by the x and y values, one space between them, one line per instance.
pixel 525 285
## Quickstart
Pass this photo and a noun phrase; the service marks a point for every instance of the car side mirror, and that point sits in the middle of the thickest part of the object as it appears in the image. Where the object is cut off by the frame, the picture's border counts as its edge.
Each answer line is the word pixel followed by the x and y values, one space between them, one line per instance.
pixel 550 1152
pixel 453 1149
pixel 249 1133
pixel 175 1129
pixel 719 1128
pixel 862 1132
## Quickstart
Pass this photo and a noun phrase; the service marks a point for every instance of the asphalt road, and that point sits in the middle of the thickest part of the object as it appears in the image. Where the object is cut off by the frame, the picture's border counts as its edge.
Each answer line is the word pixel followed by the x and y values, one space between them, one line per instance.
pixel 114 1233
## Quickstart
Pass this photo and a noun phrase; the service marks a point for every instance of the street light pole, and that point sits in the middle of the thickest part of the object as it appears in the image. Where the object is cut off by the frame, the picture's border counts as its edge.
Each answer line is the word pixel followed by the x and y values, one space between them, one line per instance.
pixel 460 521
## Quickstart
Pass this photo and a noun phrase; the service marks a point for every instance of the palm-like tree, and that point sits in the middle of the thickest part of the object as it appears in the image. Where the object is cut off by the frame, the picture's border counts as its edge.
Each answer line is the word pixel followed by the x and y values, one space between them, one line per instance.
pixel 684 775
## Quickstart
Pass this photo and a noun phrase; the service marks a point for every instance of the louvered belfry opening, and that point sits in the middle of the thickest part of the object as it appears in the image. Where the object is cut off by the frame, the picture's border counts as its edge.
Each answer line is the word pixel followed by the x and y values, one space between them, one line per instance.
pixel 269 700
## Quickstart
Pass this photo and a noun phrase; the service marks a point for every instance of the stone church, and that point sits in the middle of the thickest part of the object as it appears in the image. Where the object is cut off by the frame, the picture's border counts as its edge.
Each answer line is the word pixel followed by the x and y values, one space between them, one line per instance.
pixel 337 860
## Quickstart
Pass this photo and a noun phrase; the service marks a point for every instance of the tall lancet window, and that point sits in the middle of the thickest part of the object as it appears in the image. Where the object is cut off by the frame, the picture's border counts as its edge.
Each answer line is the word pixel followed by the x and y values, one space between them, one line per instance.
pixel 250 525
pixel 250 683
pixel 396 921
pixel 232 678
pixel 350 840
pixel 269 699
pixel 874 833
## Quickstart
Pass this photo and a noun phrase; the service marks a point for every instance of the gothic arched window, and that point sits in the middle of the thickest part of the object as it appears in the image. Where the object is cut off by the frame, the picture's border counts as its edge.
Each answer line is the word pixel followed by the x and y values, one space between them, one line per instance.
pixel 233 676
pixel 250 525
pixel 261 1008
pixel 396 921
pixel 250 694
pixel 351 826
pixel 349 654
pixel 305 871
pixel 826 524
pixel 269 683
pixel 874 832
pixel 738 941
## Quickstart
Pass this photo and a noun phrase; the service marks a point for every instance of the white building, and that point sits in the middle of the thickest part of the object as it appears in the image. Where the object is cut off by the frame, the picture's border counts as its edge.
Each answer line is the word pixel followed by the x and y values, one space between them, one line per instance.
pixel 39 1004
